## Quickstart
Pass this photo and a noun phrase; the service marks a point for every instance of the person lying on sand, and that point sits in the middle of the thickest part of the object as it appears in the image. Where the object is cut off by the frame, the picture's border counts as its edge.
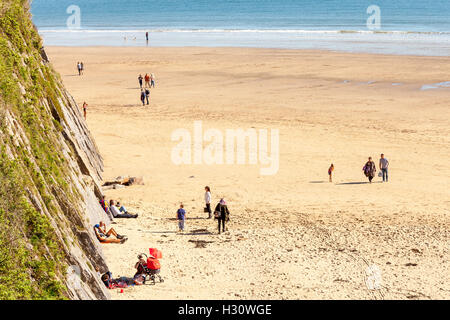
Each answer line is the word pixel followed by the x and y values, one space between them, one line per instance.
pixel 121 282
pixel 120 211
pixel 104 237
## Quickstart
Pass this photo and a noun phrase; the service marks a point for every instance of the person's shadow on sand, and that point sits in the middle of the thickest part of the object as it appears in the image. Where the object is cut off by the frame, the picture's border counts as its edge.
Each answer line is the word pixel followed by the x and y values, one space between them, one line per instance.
pixel 353 183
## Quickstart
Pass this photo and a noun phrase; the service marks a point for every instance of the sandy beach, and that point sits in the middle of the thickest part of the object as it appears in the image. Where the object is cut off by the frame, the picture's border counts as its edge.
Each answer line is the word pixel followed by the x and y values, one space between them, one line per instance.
pixel 292 235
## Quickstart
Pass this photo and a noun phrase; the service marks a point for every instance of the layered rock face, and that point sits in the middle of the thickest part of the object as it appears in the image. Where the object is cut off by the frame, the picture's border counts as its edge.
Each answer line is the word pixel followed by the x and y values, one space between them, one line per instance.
pixel 50 170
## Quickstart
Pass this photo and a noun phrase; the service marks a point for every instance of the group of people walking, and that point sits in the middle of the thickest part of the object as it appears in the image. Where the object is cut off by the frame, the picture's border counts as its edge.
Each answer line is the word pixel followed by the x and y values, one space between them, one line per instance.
pixel 221 212
pixel 369 169
pixel 145 88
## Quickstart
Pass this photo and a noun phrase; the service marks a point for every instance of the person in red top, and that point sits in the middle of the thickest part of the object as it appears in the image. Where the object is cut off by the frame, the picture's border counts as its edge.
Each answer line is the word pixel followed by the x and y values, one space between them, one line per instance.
pixel 147 80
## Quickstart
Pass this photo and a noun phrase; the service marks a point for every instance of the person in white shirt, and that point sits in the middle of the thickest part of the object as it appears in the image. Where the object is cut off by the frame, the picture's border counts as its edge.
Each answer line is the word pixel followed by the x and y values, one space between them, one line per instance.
pixel 384 164
pixel 120 212
pixel 208 201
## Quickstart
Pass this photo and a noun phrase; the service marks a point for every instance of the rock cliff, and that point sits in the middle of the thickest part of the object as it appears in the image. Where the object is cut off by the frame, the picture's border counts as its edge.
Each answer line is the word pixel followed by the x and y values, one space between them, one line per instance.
pixel 50 170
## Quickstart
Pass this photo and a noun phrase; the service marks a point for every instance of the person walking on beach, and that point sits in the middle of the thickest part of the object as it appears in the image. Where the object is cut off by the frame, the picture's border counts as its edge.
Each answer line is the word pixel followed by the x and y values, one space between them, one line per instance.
pixel 208 201
pixel 85 109
pixel 147 80
pixel 147 96
pixel 141 80
pixel 370 169
pixel 330 172
pixel 181 216
pixel 384 164
pixel 143 97
pixel 222 214
pixel 146 36
pixel 82 67
pixel 152 80
pixel 79 68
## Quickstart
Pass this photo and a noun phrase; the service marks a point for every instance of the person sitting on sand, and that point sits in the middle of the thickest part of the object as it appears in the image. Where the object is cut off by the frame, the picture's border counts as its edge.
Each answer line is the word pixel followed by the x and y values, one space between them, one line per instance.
pixel 181 216
pixel 119 211
pixel 370 169
pixel 330 172
pixel 104 205
pixel 222 214
pixel 104 237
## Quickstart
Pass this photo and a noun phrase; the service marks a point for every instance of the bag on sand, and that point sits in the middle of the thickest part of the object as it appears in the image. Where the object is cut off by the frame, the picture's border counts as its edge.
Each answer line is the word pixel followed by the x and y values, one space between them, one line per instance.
pixel 380 174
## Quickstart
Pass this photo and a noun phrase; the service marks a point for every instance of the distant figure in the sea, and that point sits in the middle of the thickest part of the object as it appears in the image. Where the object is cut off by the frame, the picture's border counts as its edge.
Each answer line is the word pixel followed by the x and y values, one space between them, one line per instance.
pixel 152 80
pixel 147 96
pixel 384 164
pixel 141 80
pixel 85 105
pixel 208 201
pixel 222 214
pixel 146 36
pixel 143 97
pixel 181 216
pixel 330 172
pixel 370 169
pixel 147 80
pixel 79 68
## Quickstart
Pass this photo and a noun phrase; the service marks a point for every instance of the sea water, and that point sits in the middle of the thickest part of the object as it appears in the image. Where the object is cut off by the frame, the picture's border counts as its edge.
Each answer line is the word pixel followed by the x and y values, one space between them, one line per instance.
pixel 420 27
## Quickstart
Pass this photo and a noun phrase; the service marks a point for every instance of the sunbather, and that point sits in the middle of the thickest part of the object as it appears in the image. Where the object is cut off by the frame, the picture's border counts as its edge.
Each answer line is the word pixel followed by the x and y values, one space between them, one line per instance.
pixel 121 282
pixel 120 211
pixel 104 237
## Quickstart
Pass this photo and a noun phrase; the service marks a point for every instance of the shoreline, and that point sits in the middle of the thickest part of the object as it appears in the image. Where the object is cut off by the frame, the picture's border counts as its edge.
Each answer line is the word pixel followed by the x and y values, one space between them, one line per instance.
pixel 421 44
pixel 306 51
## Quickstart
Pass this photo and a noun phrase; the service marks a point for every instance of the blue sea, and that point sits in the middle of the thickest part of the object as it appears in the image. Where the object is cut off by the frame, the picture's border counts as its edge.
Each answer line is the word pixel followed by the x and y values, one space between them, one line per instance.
pixel 418 27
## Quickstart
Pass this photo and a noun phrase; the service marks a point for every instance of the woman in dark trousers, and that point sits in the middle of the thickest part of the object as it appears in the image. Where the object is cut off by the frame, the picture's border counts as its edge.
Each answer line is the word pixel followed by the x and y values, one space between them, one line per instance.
pixel 222 214
pixel 208 201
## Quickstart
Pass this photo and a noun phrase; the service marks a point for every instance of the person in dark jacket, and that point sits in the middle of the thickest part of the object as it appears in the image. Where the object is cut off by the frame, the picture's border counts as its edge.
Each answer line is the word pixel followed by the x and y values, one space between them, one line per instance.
pixel 143 97
pixel 222 214
pixel 370 169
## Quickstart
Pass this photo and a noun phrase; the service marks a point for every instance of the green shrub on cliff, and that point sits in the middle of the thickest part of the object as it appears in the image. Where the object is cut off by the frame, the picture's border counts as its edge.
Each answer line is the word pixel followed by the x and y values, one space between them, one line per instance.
pixel 31 256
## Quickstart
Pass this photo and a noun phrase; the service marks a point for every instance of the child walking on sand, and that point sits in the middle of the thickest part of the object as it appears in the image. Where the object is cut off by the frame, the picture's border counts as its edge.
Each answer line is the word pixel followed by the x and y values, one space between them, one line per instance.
pixel 181 215
pixel 330 172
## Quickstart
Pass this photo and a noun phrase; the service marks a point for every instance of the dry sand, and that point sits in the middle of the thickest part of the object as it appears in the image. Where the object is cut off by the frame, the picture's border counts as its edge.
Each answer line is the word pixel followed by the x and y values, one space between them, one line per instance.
pixel 292 235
